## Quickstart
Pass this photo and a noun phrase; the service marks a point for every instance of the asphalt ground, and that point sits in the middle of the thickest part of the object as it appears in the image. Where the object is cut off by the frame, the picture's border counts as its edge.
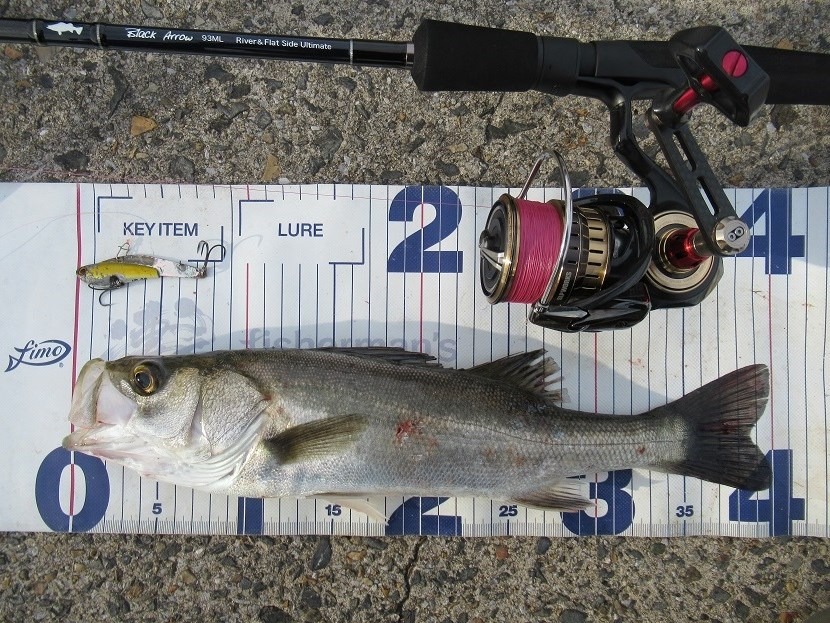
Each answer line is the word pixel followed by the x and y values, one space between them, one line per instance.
pixel 67 115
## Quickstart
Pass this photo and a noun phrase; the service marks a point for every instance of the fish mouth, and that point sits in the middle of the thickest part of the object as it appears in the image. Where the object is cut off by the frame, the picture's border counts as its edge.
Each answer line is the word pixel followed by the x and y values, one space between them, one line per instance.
pixel 100 413
pixel 96 400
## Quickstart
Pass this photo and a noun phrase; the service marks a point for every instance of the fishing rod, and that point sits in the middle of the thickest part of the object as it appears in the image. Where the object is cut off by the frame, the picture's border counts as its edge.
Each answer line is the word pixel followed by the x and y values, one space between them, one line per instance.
pixel 589 263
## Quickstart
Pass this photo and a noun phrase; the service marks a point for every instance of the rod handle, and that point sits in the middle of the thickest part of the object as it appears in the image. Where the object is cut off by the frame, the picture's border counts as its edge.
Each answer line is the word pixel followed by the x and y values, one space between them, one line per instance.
pixel 795 77
pixel 459 57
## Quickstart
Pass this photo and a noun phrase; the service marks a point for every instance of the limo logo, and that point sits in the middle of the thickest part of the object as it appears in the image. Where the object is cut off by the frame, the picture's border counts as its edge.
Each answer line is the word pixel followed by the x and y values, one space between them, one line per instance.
pixel 43 353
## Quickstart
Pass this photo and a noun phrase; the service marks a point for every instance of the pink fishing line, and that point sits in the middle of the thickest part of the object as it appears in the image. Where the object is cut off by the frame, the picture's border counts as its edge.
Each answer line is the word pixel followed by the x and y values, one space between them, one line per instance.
pixel 540 236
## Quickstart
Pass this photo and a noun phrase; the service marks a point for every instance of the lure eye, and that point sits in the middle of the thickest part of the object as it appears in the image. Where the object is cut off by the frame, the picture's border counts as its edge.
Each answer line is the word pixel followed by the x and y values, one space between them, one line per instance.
pixel 145 379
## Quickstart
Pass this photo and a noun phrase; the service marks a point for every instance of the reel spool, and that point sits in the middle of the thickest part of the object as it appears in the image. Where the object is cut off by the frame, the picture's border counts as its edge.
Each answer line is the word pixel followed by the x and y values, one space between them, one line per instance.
pixel 580 263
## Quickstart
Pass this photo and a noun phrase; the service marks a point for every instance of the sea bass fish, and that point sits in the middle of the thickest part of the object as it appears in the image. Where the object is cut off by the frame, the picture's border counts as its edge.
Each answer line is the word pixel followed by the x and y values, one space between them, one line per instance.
pixel 349 423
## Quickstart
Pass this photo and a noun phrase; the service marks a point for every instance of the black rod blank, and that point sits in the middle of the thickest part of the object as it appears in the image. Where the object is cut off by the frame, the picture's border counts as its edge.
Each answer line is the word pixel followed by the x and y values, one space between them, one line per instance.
pixel 182 41
pixel 453 57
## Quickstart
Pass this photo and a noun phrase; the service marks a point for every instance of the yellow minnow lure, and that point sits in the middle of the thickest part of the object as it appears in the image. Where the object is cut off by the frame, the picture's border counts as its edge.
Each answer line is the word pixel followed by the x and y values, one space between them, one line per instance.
pixel 117 272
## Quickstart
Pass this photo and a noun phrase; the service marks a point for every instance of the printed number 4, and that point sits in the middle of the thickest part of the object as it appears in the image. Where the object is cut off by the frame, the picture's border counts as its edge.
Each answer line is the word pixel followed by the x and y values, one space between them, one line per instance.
pixel 778 246
pixel 780 508
pixel 412 254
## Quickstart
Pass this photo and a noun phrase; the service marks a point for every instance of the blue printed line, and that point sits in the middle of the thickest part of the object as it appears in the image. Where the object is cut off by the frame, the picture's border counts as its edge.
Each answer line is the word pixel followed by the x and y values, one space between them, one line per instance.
pixel 99 208
pixel 241 201
pixel 362 252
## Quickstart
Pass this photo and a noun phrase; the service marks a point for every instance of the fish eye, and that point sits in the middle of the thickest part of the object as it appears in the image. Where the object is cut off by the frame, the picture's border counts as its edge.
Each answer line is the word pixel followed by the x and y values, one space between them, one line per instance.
pixel 145 379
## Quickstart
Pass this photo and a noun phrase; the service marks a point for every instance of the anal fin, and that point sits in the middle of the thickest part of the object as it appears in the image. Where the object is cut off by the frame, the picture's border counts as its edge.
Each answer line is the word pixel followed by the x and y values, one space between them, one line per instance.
pixel 562 496
pixel 359 504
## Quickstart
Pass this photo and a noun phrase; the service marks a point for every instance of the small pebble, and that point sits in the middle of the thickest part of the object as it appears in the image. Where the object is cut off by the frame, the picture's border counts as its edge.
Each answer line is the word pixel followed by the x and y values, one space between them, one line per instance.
pixel 322 554
pixel 543 545
pixel 140 125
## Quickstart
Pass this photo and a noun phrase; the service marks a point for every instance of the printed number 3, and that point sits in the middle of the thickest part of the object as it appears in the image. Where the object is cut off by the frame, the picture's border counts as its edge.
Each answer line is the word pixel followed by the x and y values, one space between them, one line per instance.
pixel 411 255
pixel 620 514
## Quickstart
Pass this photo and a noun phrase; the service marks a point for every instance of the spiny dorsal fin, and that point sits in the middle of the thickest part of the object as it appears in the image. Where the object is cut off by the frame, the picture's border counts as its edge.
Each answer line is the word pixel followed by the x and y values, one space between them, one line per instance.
pixel 562 496
pixel 390 354
pixel 530 371
pixel 316 439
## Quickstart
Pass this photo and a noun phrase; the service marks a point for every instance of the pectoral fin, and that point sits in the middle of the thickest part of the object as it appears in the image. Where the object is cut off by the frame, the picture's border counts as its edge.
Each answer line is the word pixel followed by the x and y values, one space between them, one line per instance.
pixel 316 439
pixel 562 496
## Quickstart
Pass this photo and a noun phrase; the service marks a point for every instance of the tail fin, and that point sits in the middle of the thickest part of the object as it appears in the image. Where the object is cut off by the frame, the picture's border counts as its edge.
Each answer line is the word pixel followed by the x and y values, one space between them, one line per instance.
pixel 720 416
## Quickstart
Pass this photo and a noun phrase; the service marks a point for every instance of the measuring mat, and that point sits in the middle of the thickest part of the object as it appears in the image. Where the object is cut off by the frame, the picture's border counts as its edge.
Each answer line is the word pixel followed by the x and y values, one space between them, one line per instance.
pixel 341 265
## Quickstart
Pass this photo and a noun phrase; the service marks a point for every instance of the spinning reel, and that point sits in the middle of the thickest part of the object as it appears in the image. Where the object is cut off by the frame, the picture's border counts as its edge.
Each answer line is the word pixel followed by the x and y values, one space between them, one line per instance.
pixel 604 261
pixel 577 261
pixel 595 262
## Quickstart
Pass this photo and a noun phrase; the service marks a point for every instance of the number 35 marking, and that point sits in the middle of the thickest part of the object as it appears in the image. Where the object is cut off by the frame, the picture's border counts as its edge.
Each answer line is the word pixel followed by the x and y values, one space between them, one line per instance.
pixel 687 510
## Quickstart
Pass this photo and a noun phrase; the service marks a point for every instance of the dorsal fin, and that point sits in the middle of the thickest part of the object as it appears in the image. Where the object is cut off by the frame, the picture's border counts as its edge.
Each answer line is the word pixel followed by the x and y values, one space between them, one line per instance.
pixel 390 354
pixel 529 371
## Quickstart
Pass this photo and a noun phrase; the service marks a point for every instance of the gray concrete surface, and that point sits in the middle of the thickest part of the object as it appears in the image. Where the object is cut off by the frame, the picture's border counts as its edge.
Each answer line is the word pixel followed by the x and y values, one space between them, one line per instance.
pixel 65 115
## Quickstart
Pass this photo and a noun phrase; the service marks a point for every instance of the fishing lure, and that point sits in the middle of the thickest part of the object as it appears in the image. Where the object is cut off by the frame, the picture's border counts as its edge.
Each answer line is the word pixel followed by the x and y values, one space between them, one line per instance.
pixel 120 270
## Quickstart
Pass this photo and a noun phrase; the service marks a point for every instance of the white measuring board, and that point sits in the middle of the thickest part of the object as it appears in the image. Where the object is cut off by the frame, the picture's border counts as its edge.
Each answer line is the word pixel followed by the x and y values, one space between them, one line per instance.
pixel 376 265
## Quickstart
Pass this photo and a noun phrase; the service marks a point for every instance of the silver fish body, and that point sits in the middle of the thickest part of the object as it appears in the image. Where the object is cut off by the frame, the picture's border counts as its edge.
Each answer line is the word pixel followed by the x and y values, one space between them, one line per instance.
pixel 346 423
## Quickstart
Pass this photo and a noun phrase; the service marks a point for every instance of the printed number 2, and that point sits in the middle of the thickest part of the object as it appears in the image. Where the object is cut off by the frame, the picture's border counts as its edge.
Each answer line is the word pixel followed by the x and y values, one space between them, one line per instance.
pixel 620 514
pixel 781 508
pixel 412 254
pixel 411 518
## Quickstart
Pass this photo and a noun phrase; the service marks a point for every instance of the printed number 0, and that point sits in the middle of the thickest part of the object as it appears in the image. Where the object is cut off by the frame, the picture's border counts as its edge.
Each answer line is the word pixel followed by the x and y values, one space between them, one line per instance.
pixel 47 491
pixel 411 255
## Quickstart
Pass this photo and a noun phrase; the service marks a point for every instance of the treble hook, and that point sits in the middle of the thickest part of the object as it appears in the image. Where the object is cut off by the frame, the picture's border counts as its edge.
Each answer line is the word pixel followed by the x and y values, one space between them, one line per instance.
pixel 203 247
pixel 114 284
